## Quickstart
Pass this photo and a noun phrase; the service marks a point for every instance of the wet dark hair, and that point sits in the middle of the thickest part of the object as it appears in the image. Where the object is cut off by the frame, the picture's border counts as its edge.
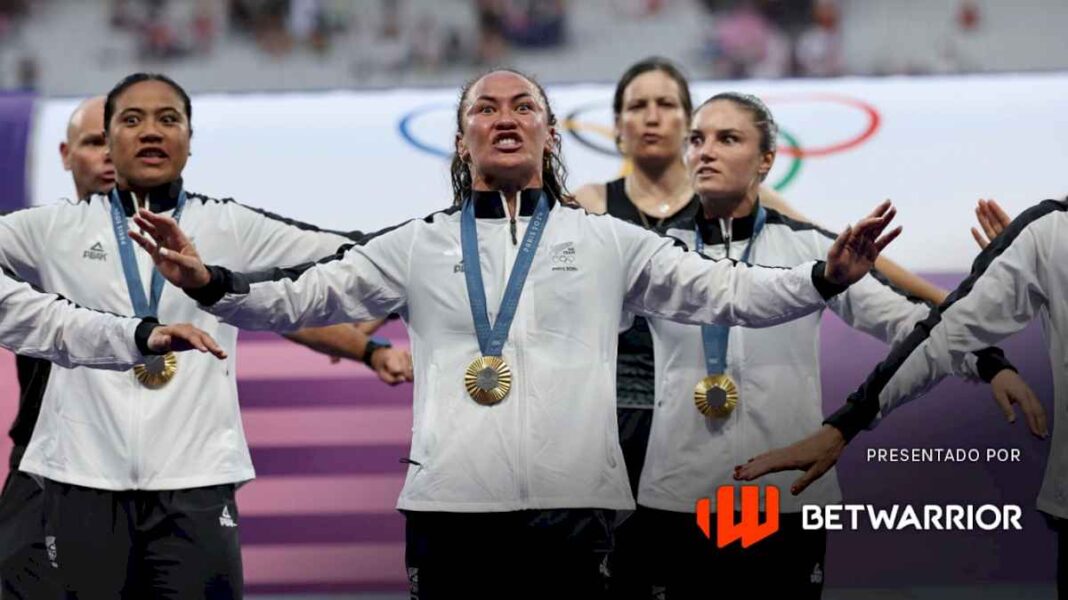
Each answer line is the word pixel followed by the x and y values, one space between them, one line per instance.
pixel 553 171
pixel 135 78
pixel 653 63
pixel 762 119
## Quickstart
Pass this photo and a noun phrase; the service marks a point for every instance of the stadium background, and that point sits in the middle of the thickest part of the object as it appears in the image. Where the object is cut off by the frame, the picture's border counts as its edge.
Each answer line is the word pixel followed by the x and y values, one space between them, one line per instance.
pixel 368 150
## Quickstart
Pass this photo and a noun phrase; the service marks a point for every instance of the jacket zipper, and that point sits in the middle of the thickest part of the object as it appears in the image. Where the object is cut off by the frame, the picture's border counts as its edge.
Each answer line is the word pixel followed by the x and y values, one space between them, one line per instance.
pixel 522 475
pixel 138 408
pixel 726 227
pixel 518 331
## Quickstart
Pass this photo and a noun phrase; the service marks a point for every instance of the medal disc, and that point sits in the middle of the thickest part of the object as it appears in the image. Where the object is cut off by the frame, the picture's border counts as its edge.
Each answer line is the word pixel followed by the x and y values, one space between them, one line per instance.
pixel 716 396
pixel 488 380
pixel 157 371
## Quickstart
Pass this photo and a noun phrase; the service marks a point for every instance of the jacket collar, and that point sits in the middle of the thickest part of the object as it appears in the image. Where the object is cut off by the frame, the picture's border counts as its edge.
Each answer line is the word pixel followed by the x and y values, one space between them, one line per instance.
pixel 491 205
pixel 741 228
pixel 161 198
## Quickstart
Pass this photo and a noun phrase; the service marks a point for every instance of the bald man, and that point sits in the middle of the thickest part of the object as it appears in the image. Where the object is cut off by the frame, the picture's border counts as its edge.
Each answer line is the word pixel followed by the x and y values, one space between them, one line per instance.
pixel 84 152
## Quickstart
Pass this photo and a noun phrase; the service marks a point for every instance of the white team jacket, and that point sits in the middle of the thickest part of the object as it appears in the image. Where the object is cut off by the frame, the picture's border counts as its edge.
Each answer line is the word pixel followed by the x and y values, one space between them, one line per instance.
pixel 103 429
pixel 553 442
pixel 1021 274
pixel 777 371
pixel 47 326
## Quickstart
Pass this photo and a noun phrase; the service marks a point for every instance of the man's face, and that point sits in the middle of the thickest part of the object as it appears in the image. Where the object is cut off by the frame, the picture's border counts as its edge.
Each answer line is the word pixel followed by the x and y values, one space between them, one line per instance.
pixel 85 152
pixel 148 135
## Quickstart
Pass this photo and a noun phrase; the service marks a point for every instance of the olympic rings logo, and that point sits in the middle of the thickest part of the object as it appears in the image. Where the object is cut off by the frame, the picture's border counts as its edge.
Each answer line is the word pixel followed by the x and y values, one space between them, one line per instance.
pixel 600 138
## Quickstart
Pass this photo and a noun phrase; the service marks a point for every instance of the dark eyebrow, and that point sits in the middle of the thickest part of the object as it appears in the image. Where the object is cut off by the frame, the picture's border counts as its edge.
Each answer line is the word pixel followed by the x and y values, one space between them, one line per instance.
pixel 133 109
pixel 513 98
pixel 728 130
pixel 653 98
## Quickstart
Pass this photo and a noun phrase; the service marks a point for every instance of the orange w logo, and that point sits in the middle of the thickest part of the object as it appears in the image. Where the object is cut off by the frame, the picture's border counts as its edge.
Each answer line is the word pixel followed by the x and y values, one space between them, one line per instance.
pixel 749 530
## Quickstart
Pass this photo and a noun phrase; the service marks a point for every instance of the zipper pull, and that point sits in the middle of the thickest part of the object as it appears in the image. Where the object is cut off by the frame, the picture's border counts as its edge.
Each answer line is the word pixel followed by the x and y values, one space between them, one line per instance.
pixel 511 226
pixel 726 226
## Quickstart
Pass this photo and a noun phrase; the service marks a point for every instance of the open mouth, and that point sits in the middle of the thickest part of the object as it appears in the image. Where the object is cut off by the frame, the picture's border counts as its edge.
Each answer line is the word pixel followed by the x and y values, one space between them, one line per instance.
pixel 151 154
pixel 707 172
pixel 507 141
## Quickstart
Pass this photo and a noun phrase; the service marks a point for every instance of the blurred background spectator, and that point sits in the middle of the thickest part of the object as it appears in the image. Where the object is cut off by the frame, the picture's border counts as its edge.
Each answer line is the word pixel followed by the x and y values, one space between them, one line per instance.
pixel 964 39
pixel 744 42
pixel 819 47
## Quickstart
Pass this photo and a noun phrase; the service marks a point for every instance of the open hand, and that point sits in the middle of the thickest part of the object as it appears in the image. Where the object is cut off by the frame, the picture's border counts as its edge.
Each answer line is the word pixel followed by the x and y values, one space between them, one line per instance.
pixel 1009 388
pixel 814 455
pixel 992 218
pixel 181 337
pixel 175 256
pixel 856 248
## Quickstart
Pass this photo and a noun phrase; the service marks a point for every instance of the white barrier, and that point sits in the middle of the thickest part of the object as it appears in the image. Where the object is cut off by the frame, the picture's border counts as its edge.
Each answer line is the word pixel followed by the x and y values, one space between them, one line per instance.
pixel 364 160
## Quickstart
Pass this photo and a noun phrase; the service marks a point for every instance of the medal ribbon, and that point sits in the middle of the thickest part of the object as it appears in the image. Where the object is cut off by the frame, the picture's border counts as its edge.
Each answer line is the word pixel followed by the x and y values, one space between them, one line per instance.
pixel 716 337
pixel 491 338
pixel 143 307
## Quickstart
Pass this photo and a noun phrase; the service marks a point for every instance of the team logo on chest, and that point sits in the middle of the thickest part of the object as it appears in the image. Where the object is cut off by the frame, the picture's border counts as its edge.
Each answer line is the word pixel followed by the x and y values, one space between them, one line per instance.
pixel 95 252
pixel 564 256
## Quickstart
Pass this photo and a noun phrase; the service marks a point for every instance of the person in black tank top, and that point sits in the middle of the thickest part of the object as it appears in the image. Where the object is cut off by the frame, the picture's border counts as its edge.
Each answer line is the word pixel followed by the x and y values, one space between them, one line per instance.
pixel 652 116
pixel 635 368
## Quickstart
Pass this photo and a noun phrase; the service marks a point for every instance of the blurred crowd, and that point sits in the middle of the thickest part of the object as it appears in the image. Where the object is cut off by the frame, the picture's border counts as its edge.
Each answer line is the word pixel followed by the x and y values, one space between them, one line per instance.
pixel 803 38
pixel 390 35
pixel 384 42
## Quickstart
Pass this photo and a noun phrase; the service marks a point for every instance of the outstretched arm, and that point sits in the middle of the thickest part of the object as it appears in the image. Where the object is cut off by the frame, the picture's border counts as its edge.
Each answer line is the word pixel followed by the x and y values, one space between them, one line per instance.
pixel 1007 386
pixel 1007 287
pixel 900 276
pixel 50 327
pixel 665 281
pixel 350 340
pixel 362 284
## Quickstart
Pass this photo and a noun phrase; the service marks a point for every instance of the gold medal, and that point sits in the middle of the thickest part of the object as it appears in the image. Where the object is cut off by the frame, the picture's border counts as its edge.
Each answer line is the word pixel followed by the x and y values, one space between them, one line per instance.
pixel 716 396
pixel 488 380
pixel 157 371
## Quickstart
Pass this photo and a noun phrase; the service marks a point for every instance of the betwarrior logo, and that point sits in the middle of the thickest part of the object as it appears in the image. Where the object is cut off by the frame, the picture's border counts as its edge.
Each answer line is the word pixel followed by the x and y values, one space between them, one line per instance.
pixel 748 529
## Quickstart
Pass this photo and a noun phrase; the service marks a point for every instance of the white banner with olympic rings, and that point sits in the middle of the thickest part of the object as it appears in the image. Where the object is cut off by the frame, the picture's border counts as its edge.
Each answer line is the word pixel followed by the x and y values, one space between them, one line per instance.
pixel 364 160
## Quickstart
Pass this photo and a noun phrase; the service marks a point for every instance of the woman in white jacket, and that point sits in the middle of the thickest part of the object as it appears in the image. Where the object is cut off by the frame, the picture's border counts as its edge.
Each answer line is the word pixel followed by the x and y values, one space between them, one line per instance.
pixel 763 384
pixel 515 463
